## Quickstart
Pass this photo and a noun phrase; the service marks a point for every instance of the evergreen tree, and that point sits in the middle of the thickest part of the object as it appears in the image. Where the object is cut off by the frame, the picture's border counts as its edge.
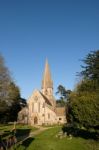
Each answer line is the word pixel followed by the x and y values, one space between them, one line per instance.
pixel 10 99
pixel 64 94
pixel 84 100
pixel 5 80
pixel 91 69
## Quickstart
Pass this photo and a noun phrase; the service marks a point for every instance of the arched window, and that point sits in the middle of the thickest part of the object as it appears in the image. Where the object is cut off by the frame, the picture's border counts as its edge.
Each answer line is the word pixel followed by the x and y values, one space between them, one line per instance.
pixel 46 92
pixel 43 105
pixel 32 107
pixel 35 120
pixel 48 116
pixel 39 107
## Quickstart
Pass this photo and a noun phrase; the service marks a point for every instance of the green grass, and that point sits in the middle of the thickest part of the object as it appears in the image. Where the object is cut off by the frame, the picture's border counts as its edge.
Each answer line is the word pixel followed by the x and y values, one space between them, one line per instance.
pixel 47 141
pixel 8 127
pixel 21 130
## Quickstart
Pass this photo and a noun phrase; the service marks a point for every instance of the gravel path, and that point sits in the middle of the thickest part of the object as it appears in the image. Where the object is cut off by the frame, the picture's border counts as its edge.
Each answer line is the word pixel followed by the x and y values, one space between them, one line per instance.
pixel 39 130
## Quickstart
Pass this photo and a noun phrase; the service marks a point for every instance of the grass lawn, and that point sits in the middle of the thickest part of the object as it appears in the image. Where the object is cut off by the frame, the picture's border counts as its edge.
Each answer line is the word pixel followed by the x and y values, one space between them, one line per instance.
pixel 21 130
pixel 9 127
pixel 47 140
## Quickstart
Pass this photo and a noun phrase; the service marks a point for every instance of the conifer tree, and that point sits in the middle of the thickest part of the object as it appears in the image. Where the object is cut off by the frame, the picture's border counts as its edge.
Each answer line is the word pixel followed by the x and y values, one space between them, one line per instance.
pixel 10 98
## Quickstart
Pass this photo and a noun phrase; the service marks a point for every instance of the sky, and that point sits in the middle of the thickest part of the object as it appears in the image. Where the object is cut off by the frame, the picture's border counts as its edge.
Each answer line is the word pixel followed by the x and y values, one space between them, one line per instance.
pixel 63 31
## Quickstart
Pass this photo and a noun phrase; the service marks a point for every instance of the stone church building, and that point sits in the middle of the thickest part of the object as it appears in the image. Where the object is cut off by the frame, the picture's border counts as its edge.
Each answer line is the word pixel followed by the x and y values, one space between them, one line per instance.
pixel 42 107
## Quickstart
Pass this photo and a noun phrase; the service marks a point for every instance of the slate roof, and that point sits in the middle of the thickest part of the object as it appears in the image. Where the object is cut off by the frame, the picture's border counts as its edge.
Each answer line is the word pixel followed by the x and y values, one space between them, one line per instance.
pixel 60 111
pixel 46 99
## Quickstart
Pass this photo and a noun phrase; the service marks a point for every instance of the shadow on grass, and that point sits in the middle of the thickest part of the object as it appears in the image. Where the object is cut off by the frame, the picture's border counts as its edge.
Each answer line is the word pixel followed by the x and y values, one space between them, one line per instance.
pixel 5 134
pixel 8 138
pixel 25 144
pixel 76 132
pixel 22 133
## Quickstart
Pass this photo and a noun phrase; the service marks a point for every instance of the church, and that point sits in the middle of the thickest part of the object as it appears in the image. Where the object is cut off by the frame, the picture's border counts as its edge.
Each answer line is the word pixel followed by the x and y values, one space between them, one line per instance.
pixel 41 106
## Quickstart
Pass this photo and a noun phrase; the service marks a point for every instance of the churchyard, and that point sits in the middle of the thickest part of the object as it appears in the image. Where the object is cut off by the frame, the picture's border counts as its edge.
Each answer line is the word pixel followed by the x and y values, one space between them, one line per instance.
pixel 81 132
pixel 11 134
pixel 50 139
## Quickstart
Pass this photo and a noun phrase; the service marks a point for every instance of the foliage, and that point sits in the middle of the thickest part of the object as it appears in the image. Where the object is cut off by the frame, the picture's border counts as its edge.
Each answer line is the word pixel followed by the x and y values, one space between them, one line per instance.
pixel 88 85
pixel 61 90
pixel 84 108
pixel 9 95
pixel 83 105
pixel 71 129
pixel 5 80
pixel 91 69
pixel 60 103
pixel 64 94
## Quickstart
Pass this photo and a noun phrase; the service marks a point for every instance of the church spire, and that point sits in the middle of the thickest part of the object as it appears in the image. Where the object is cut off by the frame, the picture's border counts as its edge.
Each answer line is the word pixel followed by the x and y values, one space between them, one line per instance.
pixel 47 81
pixel 47 85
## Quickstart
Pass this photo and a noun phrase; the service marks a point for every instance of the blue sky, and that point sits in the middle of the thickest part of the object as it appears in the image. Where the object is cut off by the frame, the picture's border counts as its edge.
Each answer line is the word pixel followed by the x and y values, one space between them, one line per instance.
pixel 64 31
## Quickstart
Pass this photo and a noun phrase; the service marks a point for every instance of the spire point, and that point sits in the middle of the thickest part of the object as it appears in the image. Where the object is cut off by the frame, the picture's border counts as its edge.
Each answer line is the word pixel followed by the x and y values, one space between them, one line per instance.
pixel 47 81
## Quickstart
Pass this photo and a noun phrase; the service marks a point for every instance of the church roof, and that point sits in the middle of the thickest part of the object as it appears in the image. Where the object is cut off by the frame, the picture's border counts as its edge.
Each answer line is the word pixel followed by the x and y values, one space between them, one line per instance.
pixel 46 99
pixel 60 111
pixel 47 81
pixel 24 110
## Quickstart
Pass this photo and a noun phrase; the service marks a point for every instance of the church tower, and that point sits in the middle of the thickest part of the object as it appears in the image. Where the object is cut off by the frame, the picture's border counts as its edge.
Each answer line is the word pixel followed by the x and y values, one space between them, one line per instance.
pixel 47 83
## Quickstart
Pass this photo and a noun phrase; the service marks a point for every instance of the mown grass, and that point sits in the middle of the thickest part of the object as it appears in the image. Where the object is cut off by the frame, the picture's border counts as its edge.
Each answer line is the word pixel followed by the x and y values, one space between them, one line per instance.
pixel 9 127
pixel 47 140
pixel 21 130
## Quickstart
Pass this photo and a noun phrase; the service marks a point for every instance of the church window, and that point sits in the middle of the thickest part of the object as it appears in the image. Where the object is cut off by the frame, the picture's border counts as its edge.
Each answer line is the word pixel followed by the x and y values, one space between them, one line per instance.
pixel 35 98
pixel 43 105
pixel 32 107
pixel 60 118
pixel 39 107
pixel 48 116
pixel 45 92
